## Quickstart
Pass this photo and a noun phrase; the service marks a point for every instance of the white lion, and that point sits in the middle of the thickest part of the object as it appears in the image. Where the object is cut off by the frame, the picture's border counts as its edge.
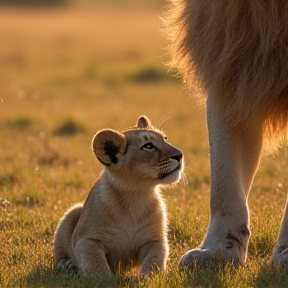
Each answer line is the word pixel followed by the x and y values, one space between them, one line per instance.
pixel 235 55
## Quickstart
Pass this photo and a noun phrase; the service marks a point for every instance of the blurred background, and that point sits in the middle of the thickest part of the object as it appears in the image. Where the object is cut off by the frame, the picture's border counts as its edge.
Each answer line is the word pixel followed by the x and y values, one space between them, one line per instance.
pixel 70 68
pixel 83 3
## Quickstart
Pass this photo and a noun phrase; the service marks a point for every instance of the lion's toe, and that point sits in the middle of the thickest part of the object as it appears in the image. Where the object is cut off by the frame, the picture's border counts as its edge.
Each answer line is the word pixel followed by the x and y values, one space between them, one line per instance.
pixel 66 264
pixel 281 258
pixel 206 258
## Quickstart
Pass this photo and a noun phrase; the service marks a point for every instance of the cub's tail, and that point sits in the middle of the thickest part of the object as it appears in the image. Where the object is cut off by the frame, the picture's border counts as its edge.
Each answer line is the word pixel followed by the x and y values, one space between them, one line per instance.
pixel 63 252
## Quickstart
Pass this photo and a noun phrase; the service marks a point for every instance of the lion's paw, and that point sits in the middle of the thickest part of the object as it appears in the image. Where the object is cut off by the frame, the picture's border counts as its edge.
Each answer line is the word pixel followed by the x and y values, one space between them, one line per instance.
pixel 206 257
pixel 66 264
pixel 281 258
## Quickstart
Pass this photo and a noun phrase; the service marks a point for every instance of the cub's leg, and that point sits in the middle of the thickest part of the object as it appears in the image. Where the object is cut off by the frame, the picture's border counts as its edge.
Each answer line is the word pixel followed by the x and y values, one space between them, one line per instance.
pixel 63 253
pixel 280 252
pixel 234 158
pixel 91 258
pixel 153 257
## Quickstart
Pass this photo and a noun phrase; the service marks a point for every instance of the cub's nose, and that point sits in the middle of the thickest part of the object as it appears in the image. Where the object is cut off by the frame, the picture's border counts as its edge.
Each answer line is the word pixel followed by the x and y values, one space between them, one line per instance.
pixel 178 157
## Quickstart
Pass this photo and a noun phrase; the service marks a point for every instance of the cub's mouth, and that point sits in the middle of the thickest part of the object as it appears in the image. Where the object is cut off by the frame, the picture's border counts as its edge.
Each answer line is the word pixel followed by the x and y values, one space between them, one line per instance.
pixel 167 173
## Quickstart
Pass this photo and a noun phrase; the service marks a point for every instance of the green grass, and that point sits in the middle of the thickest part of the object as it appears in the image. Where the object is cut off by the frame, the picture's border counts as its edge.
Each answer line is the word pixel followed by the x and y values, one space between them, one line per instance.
pixel 69 127
pixel 66 71
pixel 149 74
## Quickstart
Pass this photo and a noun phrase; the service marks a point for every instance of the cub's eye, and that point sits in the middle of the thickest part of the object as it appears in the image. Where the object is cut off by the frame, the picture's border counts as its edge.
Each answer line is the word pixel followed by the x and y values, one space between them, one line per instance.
pixel 148 147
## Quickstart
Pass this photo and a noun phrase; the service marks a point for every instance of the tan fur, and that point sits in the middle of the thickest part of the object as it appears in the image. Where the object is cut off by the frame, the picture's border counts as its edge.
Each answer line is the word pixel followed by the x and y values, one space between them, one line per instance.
pixel 237 52
pixel 123 220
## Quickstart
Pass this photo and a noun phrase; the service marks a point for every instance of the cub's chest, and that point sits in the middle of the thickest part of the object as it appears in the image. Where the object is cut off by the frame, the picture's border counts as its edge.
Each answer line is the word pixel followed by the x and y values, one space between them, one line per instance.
pixel 132 228
pixel 124 223
pixel 129 241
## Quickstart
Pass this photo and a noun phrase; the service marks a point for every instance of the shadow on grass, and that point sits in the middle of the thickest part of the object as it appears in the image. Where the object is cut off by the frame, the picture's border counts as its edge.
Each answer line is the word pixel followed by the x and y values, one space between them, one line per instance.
pixel 216 276
pixel 269 276
pixel 272 276
pixel 51 279
pixel 210 277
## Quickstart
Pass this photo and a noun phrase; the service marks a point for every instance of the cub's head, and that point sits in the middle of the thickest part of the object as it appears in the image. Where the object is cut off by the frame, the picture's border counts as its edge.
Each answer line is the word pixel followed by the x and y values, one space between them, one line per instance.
pixel 141 154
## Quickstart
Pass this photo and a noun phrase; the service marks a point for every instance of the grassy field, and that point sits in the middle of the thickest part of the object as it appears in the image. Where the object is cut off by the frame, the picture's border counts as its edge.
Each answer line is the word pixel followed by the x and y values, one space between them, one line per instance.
pixel 65 74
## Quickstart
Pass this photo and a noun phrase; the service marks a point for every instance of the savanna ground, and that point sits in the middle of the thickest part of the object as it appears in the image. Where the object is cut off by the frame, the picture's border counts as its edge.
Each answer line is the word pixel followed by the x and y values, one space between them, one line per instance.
pixel 67 73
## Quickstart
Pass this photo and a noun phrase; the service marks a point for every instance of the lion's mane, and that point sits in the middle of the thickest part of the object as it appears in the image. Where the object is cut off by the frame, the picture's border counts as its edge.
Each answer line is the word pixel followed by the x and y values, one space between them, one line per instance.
pixel 236 51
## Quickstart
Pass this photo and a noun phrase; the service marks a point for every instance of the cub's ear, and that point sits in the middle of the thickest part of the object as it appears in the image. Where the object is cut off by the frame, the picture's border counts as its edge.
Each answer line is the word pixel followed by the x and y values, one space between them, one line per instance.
pixel 143 122
pixel 106 144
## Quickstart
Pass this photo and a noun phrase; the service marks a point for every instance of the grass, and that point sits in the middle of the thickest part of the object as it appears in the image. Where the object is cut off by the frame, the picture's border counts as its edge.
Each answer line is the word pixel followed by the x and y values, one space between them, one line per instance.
pixel 68 68
pixel 19 123
pixel 149 74
pixel 69 127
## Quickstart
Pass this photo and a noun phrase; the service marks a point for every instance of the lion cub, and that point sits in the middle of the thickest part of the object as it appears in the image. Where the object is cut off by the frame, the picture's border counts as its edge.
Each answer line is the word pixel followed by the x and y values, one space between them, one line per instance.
pixel 123 220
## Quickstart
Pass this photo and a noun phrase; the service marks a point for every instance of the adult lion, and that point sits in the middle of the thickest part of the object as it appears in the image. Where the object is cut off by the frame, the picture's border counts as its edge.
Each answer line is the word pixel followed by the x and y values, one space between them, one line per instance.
pixel 234 54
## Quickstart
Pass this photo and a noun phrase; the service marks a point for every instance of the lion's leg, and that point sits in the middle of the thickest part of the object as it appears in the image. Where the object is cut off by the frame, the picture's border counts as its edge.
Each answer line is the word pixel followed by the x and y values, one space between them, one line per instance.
pixel 280 252
pixel 153 257
pixel 235 153
pixel 91 258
